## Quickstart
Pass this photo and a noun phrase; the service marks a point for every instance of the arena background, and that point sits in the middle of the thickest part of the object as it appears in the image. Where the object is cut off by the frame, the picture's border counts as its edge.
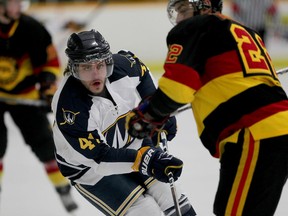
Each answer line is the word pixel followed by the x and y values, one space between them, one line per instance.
pixel 141 28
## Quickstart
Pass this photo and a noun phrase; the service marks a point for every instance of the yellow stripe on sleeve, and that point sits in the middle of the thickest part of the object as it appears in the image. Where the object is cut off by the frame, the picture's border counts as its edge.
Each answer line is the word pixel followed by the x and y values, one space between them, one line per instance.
pixel 176 91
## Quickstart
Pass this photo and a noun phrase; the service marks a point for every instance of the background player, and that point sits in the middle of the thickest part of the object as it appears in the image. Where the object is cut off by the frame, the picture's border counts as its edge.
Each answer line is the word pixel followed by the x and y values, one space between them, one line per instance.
pixel 29 67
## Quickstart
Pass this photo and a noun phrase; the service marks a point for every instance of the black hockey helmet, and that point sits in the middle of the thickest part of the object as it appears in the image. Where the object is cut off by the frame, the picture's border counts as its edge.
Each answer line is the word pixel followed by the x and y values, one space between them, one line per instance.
pixel 217 5
pixel 88 46
pixel 194 5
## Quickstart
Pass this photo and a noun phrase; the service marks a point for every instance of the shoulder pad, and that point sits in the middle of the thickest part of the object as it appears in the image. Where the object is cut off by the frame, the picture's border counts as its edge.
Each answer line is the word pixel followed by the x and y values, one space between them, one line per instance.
pixel 125 52
pixel 130 57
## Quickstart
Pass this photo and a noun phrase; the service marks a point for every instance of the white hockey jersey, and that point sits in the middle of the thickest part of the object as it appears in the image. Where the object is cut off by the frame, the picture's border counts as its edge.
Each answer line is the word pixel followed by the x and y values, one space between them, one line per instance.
pixel 89 131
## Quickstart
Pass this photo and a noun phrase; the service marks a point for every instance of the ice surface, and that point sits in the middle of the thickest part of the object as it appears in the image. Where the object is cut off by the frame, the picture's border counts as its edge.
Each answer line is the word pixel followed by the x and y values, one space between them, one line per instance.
pixel 27 191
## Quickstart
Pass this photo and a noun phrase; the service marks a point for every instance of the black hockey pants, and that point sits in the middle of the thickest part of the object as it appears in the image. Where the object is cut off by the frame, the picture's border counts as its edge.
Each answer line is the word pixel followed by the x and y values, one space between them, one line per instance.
pixel 34 126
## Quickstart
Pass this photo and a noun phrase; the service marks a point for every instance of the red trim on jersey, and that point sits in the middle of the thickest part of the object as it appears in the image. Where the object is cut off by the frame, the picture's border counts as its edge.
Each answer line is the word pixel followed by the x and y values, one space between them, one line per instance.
pixel 37 70
pixel 252 118
pixel 183 74
pixel 53 62
pixel 219 65
pixel 28 89
pixel 51 167
pixel 243 180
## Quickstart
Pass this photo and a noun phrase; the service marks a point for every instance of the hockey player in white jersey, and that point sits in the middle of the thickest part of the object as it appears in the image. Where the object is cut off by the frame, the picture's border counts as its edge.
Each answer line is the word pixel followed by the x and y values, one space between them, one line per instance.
pixel 93 149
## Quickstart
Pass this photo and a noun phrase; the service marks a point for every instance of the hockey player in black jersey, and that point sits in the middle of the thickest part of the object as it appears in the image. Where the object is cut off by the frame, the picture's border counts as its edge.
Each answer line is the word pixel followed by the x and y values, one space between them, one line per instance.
pixel 222 68
pixel 108 167
pixel 29 68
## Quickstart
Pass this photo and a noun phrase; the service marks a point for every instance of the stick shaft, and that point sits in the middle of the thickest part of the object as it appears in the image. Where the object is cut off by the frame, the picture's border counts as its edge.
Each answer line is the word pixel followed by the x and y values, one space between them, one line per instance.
pixel 182 109
pixel 174 194
pixel 282 71
pixel 171 178
pixel 27 102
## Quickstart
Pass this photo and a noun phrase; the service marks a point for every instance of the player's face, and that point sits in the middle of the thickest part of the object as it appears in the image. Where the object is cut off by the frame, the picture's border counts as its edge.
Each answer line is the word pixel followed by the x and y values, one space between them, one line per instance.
pixel 13 9
pixel 93 76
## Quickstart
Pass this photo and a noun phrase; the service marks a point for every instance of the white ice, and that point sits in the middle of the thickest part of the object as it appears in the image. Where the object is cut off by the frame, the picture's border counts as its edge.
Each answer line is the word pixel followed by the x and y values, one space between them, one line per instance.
pixel 27 191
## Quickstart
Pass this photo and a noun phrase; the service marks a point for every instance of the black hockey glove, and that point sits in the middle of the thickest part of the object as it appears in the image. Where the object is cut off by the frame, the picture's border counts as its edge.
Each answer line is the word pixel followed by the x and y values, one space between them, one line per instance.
pixel 141 124
pixel 154 162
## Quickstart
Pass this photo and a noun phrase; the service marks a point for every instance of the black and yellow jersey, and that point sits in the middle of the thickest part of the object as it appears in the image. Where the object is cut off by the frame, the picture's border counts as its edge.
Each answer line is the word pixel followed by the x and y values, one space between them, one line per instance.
pixel 224 70
pixel 26 50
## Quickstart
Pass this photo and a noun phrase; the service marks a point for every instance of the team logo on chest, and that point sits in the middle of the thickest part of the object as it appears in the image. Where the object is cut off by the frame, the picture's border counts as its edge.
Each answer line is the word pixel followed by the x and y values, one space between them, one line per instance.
pixel 8 70
pixel 116 135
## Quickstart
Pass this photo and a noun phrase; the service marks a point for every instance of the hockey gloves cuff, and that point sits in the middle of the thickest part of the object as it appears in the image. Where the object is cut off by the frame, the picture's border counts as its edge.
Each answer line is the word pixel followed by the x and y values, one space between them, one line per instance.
pixel 156 163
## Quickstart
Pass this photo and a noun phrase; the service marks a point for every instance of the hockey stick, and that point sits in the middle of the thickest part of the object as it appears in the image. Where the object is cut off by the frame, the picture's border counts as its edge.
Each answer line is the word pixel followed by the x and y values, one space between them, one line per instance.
pixel 282 71
pixel 186 107
pixel 163 140
pixel 180 110
pixel 27 102
pixel 77 26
